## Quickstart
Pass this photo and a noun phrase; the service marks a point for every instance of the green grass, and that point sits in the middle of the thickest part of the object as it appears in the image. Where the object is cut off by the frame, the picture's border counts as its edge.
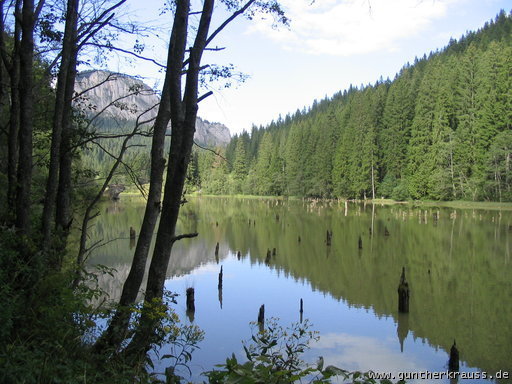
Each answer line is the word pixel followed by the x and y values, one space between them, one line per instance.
pixel 458 204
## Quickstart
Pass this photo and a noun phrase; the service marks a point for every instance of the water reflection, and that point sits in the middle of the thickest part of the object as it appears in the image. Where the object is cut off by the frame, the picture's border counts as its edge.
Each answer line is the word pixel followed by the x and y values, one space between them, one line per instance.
pixel 402 329
pixel 361 352
pixel 457 261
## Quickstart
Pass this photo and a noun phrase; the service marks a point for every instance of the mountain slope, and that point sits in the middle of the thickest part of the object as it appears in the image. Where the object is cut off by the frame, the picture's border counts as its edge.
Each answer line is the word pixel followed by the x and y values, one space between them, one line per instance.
pixel 120 99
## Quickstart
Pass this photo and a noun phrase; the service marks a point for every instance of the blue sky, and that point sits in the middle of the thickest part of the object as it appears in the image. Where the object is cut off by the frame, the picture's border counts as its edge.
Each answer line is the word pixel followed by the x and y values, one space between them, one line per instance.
pixel 329 45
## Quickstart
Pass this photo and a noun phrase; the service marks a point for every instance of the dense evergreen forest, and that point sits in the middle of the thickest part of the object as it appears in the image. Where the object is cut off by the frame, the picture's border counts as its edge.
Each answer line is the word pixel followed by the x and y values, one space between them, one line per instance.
pixel 440 130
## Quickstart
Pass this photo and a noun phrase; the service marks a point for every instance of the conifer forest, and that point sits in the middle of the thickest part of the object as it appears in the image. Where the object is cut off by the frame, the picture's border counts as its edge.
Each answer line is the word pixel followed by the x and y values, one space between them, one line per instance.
pixel 440 130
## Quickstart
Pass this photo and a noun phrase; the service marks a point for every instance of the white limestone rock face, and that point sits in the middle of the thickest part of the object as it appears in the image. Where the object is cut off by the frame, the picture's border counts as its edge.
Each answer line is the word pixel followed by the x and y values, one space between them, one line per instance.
pixel 122 98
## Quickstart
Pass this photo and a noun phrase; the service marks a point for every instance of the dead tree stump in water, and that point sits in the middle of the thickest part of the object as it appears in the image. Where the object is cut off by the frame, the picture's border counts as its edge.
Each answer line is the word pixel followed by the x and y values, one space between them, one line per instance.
pixel 132 233
pixel 217 253
pixel 360 243
pixel 274 252
pixel 267 259
pixel 329 238
pixel 220 278
pixel 191 307
pixel 298 239
pixel 238 255
pixel 403 294
pixel 261 315
pixel 220 297
pixel 453 363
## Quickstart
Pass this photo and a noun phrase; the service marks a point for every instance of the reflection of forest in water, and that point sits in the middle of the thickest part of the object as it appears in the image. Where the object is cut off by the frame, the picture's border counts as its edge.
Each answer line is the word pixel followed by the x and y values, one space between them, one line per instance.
pixel 457 261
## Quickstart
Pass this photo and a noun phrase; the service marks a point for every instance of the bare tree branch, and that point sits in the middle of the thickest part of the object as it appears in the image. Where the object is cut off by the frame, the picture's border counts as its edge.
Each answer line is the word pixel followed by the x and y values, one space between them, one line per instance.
pixel 87 215
pixel 211 150
pixel 90 26
pixel 113 103
pixel 111 77
pixel 204 96
pixel 184 236
pixel 229 20
pixel 111 47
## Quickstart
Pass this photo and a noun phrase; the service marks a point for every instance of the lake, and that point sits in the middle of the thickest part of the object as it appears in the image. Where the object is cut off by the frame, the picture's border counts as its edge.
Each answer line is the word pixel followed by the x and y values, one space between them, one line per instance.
pixel 457 264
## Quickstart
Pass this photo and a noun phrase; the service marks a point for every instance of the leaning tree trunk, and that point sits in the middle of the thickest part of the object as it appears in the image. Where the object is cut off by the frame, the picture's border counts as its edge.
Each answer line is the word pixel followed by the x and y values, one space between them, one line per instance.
pixel 118 327
pixel 183 117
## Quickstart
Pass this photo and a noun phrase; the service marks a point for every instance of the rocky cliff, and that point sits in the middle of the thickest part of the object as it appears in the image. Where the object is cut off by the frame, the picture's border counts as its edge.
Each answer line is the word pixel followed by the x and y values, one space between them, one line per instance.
pixel 123 98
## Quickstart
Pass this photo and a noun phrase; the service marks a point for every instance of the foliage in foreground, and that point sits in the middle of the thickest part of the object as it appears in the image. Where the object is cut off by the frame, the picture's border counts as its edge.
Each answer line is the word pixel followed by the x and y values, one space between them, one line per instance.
pixel 274 356
pixel 47 326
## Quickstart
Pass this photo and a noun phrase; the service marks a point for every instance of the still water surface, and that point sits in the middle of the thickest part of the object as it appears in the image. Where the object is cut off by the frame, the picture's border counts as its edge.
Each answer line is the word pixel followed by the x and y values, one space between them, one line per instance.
pixel 458 266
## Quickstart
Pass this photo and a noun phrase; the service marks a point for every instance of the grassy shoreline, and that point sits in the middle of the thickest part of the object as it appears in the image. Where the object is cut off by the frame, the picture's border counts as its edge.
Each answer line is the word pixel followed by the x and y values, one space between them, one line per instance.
pixel 456 204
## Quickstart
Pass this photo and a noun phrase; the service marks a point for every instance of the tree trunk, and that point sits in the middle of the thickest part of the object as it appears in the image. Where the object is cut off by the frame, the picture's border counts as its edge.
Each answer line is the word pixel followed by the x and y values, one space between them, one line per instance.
pixel 62 113
pixel 12 149
pixel 373 180
pixel 3 86
pixel 118 327
pixel 63 209
pixel 23 203
pixel 183 117
pixel 63 215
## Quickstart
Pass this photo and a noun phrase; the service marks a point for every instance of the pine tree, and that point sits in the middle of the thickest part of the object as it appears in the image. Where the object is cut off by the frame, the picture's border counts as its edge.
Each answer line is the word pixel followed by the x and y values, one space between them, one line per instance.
pixel 262 168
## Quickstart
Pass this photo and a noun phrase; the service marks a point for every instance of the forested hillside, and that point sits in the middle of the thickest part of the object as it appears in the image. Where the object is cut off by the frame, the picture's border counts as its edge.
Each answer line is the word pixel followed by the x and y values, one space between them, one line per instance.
pixel 440 130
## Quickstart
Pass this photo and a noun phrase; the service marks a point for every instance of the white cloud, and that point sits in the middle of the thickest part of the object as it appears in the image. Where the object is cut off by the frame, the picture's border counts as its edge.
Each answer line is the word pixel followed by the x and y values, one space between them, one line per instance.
pixel 363 353
pixel 347 27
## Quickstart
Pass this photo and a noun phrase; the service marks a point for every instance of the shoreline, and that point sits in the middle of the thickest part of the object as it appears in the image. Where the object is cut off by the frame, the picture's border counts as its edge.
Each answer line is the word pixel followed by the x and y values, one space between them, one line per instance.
pixel 455 204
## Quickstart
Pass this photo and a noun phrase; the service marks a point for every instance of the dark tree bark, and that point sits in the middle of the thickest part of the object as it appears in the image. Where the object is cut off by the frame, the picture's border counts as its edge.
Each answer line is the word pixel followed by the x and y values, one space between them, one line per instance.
pixel 183 117
pixel 62 113
pixel 3 88
pixel 118 327
pixel 13 66
pixel 63 209
pixel 23 203
pixel 63 212
pixel 182 108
